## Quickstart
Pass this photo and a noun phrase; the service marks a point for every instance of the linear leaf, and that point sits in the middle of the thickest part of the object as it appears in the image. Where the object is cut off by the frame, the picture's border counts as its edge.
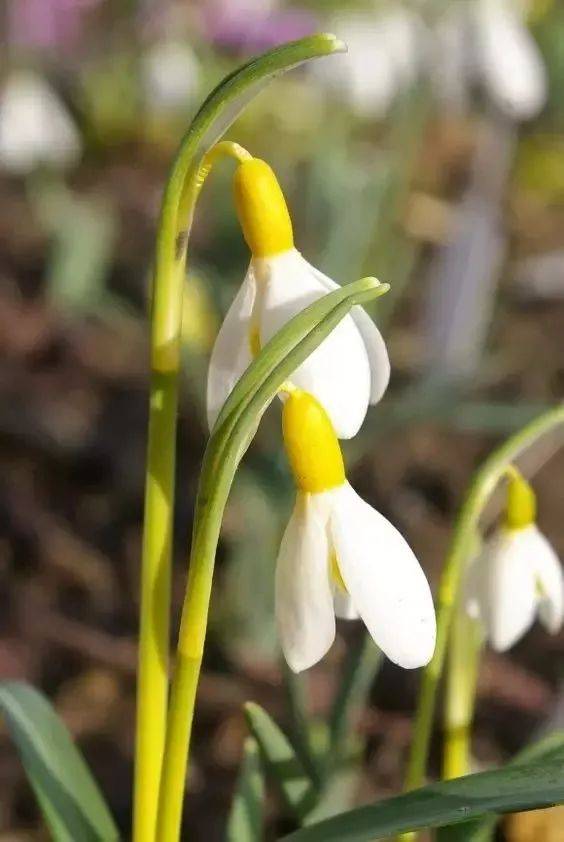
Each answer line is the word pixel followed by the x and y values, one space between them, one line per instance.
pixel 246 818
pixel 361 666
pixel 70 800
pixel 513 788
pixel 281 762
pixel 482 830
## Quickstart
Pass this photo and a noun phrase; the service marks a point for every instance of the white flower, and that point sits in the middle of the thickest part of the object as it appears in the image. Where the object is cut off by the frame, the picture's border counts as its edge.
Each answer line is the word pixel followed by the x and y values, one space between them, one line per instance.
pixel 348 371
pixel 170 74
pixel 487 42
pixel 335 539
pixel 517 576
pixel 339 556
pixel 383 58
pixel 35 126
pixel 472 43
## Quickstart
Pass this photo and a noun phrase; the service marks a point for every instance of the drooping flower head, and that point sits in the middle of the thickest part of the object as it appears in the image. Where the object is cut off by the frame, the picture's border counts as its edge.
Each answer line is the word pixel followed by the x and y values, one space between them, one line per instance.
pixel 349 370
pixel 339 556
pixel 517 576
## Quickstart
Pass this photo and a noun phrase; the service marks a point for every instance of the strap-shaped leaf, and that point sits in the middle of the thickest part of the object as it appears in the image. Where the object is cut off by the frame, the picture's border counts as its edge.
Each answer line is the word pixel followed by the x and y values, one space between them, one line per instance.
pixel 360 668
pixel 247 809
pixel 281 762
pixel 482 830
pixel 70 800
pixel 516 787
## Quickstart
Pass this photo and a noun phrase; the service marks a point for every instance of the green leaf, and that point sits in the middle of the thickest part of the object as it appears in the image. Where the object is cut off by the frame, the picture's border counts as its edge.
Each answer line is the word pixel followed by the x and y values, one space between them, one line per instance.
pixel 519 786
pixel 481 830
pixel 478 830
pixel 297 699
pixel 281 762
pixel 70 800
pixel 362 664
pixel 246 818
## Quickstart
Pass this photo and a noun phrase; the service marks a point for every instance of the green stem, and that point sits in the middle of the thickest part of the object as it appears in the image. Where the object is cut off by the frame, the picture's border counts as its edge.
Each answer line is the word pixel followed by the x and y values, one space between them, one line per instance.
pixel 154 631
pixel 460 693
pixel 214 117
pixel 231 436
pixel 465 529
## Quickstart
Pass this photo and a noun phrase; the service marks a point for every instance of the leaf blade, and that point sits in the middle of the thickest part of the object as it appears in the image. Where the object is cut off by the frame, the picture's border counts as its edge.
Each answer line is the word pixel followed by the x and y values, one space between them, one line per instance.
pixel 70 800
pixel 281 762
pixel 246 816
pixel 513 788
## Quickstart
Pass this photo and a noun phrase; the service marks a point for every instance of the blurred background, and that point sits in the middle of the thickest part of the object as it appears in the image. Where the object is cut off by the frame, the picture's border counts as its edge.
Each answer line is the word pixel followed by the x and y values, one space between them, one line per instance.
pixel 431 156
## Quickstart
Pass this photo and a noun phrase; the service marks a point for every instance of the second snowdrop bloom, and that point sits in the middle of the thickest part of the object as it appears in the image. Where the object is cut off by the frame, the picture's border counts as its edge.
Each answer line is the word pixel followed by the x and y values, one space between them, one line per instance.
pixel 517 576
pixel 350 368
pixel 35 127
pixel 339 556
pixel 487 42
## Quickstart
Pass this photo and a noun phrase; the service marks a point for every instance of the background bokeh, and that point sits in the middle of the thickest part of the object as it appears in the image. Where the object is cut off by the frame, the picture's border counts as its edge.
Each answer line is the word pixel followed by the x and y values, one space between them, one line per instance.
pixel 432 156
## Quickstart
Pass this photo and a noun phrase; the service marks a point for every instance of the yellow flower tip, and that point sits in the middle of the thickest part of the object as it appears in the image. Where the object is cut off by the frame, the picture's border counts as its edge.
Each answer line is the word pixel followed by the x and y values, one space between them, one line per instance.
pixel 521 510
pixel 311 444
pixel 262 210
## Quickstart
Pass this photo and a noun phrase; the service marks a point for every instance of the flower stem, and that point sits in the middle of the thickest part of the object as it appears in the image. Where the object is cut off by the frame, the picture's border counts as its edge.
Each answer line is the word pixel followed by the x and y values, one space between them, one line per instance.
pixel 460 695
pixel 465 529
pixel 152 686
pixel 233 431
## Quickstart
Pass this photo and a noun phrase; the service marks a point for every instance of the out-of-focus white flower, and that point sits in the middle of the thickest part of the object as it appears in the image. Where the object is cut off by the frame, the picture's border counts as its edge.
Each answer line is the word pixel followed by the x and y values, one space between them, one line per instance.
pixel 35 126
pixel 171 75
pixel 348 371
pixel 482 43
pixel 516 576
pixel 486 42
pixel 383 57
pixel 508 60
pixel 339 556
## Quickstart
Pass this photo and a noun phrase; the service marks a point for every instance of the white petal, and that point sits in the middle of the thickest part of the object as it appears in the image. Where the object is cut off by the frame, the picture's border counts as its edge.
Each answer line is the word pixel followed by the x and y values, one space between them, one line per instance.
pixel 231 353
pixel 509 589
pixel 510 61
pixel 370 78
pixel 35 125
pixel 344 606
pixel 337 373
pixel 549 580
pixel 171 73
pixel 303 594
pixel 384 579
pixel 373 342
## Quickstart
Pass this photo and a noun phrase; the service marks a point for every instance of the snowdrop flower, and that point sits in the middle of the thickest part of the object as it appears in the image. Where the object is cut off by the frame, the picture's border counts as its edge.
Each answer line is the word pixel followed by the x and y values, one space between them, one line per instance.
pixel 517 575
pixel 35 126
pixel 170 74
pixel 487 42
pixel 339 556
pixel 350 368
pixel 383 58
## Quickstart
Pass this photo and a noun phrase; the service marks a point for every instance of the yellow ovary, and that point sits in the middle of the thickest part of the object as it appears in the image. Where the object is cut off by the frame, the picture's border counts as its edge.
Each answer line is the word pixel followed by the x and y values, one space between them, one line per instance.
pixel 521 508
pixel 311 444
pixel 262 210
